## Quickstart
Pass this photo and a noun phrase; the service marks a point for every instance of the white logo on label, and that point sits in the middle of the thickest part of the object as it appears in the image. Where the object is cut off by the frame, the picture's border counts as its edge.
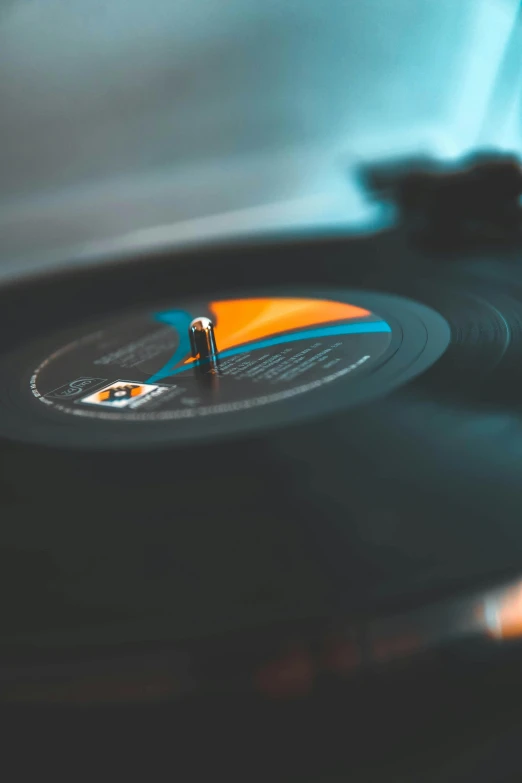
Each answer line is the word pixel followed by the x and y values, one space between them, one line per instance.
pixel 75 387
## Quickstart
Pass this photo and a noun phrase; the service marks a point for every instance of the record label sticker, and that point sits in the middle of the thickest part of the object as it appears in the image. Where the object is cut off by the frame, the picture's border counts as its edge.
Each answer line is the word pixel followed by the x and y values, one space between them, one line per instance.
pixel 267 350
pixel 121 394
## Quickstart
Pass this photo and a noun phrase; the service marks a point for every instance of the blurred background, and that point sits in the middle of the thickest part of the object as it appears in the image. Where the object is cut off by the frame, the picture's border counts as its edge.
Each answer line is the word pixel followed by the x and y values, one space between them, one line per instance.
pixel 127 125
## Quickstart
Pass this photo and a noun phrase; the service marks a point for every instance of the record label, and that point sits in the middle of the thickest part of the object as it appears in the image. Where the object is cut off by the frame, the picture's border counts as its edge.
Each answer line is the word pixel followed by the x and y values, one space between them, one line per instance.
pixel 278 356
pixel 269 349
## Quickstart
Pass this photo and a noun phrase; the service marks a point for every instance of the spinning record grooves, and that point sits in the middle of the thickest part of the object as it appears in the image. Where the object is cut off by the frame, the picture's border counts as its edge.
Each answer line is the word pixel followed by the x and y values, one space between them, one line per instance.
pixel 485 347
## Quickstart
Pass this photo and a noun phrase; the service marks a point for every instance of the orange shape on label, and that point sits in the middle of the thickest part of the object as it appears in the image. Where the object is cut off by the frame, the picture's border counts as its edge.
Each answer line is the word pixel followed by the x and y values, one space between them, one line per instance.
pixel 239 321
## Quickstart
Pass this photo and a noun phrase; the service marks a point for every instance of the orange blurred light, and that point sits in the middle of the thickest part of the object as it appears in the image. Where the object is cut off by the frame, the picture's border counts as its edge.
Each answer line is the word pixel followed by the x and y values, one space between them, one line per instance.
pixel 508 614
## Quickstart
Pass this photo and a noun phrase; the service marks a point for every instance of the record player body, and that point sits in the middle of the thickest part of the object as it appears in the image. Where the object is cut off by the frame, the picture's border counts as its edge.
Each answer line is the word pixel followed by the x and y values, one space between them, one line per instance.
pixel 319 502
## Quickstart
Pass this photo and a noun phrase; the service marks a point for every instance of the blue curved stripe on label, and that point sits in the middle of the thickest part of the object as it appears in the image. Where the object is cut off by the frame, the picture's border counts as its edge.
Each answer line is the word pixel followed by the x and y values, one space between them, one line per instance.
pixel 180 321
pixel 327 331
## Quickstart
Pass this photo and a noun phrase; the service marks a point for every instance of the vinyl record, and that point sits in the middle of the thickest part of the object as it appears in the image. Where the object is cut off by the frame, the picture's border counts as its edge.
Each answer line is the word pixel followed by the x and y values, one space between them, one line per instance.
pixel 339 455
